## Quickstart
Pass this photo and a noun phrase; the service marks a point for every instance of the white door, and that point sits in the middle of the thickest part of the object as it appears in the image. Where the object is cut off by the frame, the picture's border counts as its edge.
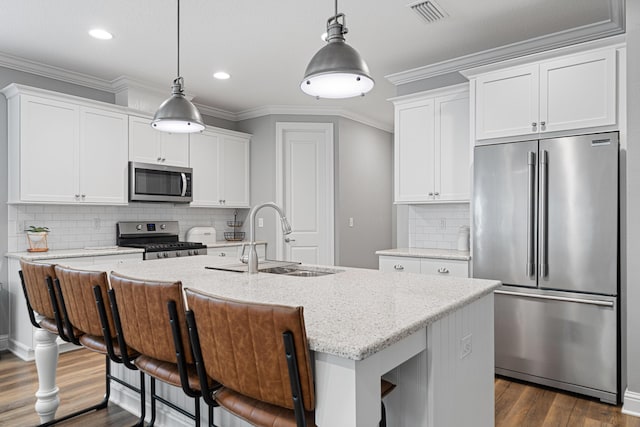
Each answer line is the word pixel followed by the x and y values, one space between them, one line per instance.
pixel 305 191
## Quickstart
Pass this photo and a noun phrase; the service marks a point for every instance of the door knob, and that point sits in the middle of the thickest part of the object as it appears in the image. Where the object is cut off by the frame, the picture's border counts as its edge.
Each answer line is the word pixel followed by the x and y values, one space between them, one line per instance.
pixel 287 239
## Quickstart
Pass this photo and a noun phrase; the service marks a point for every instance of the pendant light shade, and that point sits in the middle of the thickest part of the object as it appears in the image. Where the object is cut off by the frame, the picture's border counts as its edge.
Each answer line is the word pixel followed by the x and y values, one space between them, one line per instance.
pixel 337 70
pixel 177 114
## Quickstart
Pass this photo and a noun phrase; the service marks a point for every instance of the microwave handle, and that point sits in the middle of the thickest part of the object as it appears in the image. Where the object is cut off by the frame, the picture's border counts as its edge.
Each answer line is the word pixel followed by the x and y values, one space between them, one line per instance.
pixel 184 184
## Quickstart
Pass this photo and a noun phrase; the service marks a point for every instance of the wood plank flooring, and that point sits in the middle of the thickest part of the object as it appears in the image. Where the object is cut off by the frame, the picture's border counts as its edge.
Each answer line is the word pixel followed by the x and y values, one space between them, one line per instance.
pixel 81 383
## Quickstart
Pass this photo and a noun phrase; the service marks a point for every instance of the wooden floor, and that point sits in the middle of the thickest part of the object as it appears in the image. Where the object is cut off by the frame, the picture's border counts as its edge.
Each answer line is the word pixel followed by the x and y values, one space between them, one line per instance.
pixel 81 383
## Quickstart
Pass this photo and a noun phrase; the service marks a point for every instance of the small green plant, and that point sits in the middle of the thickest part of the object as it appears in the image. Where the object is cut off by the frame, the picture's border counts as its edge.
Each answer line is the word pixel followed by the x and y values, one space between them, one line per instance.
pixel 34 229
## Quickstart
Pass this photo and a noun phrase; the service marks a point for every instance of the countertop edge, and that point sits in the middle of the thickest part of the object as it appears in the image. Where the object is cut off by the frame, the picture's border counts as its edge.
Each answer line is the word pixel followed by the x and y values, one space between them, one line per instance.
pixel 450 254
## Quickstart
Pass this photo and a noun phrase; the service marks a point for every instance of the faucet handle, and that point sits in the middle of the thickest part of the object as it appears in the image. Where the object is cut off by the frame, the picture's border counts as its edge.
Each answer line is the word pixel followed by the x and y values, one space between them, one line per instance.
pixel 244 258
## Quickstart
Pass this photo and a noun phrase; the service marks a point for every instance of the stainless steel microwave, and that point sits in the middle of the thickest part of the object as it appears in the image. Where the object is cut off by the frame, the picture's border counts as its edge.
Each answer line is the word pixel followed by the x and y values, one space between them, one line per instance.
pixel 159 183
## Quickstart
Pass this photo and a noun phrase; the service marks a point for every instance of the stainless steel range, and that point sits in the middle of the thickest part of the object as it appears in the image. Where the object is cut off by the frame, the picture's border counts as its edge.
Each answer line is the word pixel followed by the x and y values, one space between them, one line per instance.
pixel 159 239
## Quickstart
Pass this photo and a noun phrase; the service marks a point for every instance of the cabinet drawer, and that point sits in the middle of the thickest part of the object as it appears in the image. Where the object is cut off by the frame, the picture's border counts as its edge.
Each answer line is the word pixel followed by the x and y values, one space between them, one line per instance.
pixel 441 267
pixel 399 264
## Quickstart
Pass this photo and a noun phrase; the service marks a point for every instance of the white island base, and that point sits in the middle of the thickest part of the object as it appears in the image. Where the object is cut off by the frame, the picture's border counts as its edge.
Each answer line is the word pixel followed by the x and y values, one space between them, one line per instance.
pixel 444 376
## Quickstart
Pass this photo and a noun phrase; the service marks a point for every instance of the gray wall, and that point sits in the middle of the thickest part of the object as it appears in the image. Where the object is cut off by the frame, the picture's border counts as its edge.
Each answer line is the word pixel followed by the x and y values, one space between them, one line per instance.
pixel 347 170
pixel 364 182
pixel 633 198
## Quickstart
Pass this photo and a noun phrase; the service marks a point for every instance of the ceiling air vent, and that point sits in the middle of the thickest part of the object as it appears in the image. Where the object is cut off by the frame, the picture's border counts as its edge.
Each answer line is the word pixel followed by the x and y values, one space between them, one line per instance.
pixel 429 11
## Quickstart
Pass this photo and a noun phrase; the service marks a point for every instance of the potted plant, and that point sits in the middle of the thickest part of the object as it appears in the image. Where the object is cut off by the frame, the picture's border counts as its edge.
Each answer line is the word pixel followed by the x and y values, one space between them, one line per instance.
pixel 37 239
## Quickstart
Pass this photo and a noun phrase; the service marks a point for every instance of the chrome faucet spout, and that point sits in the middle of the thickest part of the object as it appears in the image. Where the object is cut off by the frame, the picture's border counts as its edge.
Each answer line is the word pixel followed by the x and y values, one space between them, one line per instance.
pixel 253 254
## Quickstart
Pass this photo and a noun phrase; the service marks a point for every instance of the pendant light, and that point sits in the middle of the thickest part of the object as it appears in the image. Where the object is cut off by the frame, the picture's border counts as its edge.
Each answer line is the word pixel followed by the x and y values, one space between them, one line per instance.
pixel 177 114
pixel 337 70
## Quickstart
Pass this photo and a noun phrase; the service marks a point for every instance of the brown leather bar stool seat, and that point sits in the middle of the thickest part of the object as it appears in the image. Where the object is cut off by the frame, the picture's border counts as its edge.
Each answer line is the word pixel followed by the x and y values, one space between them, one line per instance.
pixel 140 315
pixel 81 295
pixel 260 355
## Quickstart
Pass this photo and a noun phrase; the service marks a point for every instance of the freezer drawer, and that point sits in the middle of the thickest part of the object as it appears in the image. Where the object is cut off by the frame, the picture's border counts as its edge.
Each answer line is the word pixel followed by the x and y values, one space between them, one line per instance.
pixel 565 340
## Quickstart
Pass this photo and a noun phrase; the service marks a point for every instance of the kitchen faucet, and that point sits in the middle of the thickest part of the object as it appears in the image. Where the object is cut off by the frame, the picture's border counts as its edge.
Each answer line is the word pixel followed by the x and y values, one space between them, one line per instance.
pixel 252 259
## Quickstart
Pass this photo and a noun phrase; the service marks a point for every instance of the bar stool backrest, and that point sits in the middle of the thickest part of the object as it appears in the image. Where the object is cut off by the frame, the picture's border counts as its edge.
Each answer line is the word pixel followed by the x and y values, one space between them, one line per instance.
pixel 242 347
pixel 35 280
pixel 80 300
pixel 142 305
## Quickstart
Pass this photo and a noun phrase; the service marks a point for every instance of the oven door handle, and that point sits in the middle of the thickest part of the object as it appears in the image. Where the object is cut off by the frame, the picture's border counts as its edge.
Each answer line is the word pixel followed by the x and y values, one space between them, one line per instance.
pixel 184 184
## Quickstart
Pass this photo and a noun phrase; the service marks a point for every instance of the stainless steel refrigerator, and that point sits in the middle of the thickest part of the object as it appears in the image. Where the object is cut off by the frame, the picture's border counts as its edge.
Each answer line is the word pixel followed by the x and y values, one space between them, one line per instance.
pixel 545 223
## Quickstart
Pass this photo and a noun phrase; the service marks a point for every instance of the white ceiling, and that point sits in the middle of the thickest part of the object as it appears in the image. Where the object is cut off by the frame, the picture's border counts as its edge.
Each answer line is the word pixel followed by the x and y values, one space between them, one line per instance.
pixel 266 44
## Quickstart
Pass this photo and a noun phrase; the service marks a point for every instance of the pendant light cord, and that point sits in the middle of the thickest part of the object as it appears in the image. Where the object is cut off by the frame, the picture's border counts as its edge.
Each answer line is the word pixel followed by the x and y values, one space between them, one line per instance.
pixel 336 8
pixel 179 38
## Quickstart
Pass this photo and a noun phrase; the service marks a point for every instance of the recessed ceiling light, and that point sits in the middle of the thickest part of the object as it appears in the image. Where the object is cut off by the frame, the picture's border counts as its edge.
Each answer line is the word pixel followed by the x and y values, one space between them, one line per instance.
pixel 221 75
pixel 100 34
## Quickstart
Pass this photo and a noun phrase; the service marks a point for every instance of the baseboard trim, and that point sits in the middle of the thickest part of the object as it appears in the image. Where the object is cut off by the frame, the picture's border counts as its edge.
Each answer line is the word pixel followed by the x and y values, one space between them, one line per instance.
pixel 4 342
pixel 631 404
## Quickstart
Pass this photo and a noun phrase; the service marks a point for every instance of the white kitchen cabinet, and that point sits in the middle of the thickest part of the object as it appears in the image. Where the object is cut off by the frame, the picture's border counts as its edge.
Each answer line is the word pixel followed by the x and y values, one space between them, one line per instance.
pixel 220 162
pixel 233 253
pixel 572 92
pixel 148 145
pixel 61 151
pixel 432 147
pixel 433 266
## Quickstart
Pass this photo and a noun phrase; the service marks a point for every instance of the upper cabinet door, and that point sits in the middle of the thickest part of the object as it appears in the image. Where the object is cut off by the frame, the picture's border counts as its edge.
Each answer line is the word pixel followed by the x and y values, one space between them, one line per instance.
pixel 235 171
pixel 507 103
pixel 174 148
pixel 148 145
pixel 414 152
pixel 103 156
pixel 48 142
pixel 205 155
pixel 452 148
pixel 578 91
pixel 143 141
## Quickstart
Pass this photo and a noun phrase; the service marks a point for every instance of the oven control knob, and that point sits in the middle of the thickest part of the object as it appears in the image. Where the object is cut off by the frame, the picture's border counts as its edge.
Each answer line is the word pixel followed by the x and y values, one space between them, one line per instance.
pixel 165 255
pixel 190 252
pixel 178 254
pixel 158 255
pixel 163 226
pixel 196 252
pixel 139 227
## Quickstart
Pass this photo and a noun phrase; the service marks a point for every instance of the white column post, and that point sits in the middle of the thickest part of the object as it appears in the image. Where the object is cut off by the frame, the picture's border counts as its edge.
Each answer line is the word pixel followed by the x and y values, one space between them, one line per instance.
pixel 46 355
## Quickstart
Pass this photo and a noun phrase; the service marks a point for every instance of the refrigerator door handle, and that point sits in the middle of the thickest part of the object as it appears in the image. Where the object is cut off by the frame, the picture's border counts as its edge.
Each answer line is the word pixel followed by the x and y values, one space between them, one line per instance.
pixel 558 298
pixel 531 209
pixel 543 213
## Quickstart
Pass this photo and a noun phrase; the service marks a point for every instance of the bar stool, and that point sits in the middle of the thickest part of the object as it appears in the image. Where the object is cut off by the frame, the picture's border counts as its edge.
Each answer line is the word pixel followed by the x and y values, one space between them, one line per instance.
pixel 260 355
pixel 37 281
pixel 139 312
pixel 81 297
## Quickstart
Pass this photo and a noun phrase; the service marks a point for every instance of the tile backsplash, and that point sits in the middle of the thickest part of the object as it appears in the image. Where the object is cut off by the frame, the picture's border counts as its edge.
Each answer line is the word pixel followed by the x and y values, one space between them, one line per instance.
pixel 79 226
pixel 436 226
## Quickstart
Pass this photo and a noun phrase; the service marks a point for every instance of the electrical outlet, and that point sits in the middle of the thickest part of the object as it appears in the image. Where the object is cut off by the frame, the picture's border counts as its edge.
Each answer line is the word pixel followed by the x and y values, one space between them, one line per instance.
pixel 96 223
pixel 466 346
pixel 351 222
pixel 443 223
pixel 260 222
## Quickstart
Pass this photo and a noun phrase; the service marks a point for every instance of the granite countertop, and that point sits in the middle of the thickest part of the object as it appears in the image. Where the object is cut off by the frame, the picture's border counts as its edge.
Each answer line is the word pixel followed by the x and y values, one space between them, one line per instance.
pixel 351 314
pixel 427 253
pixel 100 251
pixel 75 253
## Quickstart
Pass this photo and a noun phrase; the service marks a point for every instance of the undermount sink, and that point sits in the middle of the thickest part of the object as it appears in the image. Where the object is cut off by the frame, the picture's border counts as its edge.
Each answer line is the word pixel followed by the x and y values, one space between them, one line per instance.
pixel 300 271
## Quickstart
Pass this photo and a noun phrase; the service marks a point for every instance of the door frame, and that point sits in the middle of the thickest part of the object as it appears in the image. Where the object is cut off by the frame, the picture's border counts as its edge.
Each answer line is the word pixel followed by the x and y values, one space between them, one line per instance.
pixel 329 214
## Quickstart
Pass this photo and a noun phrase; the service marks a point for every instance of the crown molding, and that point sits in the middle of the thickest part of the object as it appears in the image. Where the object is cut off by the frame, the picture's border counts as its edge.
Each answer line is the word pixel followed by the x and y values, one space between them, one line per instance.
pixel 613 26
pixel 44 70
pixel 123 83
pixel 311 110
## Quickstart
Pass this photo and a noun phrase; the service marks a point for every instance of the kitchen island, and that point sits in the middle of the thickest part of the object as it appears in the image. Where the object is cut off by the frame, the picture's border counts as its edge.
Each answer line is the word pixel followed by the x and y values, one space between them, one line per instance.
pixel 431 336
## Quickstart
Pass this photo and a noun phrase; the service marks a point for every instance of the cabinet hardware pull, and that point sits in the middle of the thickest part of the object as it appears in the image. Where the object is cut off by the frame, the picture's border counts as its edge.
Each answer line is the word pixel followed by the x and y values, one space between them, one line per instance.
pixel 222 254
pixel 443 270
pixel 398 267
pixel 543 123
pixel 534 124
pixel 159 159
pixel 436 193
pixel 77 196
pixel 431 193
pixel 83 196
